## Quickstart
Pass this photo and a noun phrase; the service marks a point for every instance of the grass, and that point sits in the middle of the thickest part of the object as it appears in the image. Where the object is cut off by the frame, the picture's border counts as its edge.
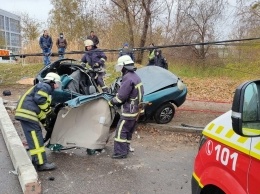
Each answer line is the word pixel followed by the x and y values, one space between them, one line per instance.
pixel 10 73
pixel 233 71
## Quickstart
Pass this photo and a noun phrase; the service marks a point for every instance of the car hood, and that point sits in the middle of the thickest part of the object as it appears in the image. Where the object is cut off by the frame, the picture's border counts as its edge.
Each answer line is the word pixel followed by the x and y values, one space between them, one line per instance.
pixel 155 78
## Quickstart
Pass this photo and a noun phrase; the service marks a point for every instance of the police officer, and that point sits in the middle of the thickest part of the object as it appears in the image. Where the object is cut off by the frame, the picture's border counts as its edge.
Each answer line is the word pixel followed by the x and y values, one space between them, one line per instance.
pixel 95 58
pixel 151 55
pixel 32 109
pixel 130 94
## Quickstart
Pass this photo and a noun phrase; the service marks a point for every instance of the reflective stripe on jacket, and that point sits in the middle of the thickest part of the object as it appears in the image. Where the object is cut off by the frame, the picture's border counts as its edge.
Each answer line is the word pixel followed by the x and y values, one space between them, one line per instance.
pixel 130 95
pixel 35 103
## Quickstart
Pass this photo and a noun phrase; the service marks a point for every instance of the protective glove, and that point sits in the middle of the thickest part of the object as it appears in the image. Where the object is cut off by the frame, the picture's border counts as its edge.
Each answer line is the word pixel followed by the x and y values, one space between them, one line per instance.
pixel 110 103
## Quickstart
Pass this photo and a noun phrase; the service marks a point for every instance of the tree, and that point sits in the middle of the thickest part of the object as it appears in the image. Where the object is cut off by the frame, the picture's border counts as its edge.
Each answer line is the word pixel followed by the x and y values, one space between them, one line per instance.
pixel 73 17
pixel 200 19
pixel 30 28
pixel 136 15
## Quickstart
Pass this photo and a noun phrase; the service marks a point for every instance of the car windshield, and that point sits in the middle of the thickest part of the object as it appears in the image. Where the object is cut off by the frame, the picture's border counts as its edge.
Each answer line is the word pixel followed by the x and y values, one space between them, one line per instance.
pixel 155 78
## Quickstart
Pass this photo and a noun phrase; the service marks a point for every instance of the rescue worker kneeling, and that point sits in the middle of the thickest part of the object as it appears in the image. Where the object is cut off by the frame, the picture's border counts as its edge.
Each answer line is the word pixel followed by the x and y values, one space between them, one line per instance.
pixel 32 109
pixel 130 95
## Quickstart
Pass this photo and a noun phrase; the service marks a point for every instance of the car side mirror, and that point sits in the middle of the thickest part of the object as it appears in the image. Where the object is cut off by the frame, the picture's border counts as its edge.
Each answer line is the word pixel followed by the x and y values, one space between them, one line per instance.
pixel 246 109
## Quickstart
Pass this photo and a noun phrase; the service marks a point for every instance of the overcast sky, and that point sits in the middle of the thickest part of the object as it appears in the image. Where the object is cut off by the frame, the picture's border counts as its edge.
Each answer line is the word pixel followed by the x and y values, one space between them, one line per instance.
pixel 39 10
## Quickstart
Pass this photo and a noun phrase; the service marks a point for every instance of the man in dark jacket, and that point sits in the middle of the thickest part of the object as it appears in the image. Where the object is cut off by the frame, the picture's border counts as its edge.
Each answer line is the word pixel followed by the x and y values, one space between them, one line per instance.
pixel 94 38
pixel 160 60
pixel 61 43
pixel 32 109
pixel 130 95
pixel 45 43
pixel 126 51
pixel 95 58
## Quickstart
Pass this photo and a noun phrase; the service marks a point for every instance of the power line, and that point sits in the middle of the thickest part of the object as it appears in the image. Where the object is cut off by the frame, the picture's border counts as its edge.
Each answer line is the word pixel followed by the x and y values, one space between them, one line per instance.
pixel 222 42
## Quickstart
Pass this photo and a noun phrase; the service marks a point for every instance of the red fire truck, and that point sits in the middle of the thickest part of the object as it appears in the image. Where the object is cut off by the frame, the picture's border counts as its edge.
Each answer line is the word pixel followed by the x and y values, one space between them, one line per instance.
pixel 228 160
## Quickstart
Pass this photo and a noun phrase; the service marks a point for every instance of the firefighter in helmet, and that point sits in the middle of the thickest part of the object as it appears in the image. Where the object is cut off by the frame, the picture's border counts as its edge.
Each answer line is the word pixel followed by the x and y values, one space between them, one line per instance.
pixel 31 110
pixel 95 58
pixel 129 95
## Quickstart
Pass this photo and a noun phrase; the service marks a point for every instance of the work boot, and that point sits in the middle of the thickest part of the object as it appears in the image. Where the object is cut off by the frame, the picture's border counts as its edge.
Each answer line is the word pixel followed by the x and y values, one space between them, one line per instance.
pixel 119 156
pixel 46 166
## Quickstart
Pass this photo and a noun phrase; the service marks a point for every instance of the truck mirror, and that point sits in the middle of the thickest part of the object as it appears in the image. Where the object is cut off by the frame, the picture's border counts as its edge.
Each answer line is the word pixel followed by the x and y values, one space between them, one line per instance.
pixel 246 109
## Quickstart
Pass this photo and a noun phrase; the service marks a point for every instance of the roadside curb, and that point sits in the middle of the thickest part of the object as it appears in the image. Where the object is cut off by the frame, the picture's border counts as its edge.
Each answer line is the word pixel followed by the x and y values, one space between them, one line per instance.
pixel 175 128
pixel 26 172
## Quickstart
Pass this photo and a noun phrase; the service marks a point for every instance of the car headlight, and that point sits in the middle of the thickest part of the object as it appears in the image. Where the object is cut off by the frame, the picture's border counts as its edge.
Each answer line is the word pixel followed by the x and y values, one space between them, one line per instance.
pixel 180 85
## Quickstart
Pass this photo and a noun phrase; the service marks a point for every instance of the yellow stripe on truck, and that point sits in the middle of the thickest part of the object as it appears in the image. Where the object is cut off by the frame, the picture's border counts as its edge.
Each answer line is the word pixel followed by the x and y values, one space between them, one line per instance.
pixel 229 138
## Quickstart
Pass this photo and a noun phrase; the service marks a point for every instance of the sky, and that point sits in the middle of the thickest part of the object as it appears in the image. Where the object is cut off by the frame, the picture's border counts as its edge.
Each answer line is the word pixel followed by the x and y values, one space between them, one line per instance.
pixel 37 9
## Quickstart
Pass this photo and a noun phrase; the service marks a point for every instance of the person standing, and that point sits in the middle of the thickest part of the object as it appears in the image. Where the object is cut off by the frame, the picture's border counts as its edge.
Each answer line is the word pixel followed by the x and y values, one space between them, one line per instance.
pixel 95 58
pixel 94 38
pixel 160 60
pixel 31 110
pixel 151 55
pixel 46 46
pixel 61 43
pixel 130 95
pixel 126 51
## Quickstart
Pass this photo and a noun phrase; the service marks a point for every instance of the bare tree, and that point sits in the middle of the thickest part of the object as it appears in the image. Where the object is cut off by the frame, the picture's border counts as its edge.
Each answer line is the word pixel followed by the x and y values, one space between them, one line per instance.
pixel 200 19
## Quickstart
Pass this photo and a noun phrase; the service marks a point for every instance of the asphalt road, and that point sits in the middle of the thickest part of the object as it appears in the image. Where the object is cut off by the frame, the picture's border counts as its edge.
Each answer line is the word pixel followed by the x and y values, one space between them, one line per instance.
pixel 9 183
pixel 162 163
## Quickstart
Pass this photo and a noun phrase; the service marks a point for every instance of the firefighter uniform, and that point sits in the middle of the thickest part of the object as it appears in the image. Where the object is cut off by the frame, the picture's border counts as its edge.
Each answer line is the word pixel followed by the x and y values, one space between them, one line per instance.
pixel 32 109
pixel 130 95
pixel 95 58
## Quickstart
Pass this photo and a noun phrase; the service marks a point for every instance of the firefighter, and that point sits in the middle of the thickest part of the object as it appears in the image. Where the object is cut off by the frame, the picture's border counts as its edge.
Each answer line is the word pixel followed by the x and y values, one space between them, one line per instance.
pixel 95 58
pixel 130 95
pixel 31 110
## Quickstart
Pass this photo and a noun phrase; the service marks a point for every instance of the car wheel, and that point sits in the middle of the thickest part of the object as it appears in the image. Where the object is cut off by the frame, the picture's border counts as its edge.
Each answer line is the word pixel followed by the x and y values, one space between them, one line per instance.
pixel 164 114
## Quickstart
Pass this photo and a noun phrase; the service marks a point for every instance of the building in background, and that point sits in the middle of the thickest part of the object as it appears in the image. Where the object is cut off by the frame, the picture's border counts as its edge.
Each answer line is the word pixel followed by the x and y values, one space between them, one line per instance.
pixel 10 31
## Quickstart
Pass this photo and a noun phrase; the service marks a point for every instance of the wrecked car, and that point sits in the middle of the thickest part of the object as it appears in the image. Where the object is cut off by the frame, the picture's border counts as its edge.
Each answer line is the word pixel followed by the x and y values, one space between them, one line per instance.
pixel 75 79
pixel 162 89
pixel 82 116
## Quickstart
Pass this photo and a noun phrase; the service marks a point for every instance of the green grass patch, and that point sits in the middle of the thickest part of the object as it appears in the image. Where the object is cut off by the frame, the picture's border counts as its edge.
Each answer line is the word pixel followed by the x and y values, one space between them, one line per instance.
pixel 234 71
pixel 11 73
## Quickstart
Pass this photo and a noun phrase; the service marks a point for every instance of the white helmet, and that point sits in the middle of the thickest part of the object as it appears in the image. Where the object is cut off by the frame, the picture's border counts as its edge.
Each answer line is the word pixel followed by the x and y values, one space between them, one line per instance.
pixel 52 77
pixel 125 61
pixel 88 42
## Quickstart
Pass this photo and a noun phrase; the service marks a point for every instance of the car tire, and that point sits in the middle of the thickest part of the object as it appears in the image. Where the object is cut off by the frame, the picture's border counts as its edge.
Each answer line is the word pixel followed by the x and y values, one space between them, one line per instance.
pixel 164 113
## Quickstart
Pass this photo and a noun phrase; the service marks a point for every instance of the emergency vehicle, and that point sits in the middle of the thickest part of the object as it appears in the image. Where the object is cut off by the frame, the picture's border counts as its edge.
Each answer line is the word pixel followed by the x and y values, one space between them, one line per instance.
pixel 228 160
pixel 6 56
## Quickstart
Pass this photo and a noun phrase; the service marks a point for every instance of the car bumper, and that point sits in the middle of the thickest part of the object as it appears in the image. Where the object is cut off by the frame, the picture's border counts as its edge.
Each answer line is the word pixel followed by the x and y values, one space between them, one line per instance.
pixel 181 98
pixel 195 187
